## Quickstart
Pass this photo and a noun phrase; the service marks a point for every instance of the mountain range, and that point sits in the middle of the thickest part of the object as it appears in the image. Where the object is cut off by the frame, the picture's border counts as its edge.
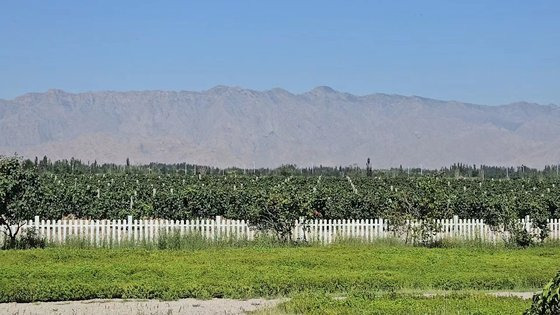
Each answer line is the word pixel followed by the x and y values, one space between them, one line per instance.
pixel 231 126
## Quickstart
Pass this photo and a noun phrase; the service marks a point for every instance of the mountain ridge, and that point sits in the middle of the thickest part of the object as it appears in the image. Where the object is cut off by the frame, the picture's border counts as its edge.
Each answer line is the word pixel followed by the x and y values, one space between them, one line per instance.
pixel 233 126
pixel 275 89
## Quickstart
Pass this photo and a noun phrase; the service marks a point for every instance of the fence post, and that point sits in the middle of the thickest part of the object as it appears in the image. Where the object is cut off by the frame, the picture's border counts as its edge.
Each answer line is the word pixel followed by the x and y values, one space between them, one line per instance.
pixel 295 232
pixel 129 228
pixel 301 228
pixel 455 225
pixel 36 224
pixel 218 229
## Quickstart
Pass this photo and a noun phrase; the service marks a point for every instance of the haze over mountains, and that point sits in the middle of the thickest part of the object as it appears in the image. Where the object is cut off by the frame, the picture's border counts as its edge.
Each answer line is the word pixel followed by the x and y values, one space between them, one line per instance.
pixel 230 126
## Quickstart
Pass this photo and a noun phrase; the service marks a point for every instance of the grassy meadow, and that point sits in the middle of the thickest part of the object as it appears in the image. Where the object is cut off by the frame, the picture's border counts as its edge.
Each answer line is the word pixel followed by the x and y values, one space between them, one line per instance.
pixel 341 278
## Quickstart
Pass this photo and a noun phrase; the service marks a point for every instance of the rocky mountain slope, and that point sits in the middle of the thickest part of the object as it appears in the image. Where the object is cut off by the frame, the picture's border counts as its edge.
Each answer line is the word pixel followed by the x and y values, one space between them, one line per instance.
pixel 227 126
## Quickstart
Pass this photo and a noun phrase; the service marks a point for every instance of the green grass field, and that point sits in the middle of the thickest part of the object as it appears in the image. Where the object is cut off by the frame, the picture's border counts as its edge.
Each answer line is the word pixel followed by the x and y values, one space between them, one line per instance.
pixel 313 303
pixel 74 274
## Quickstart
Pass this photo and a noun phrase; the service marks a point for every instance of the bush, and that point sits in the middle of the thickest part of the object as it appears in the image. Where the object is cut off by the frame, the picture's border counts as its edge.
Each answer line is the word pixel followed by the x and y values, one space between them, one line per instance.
pixel 520 238
pixel 277 212
pixel 547 302
pixel 27 240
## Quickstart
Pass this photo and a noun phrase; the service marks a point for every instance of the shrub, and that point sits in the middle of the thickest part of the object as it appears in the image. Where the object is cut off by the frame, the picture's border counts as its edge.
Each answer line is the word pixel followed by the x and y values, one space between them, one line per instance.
pixel 26 240
pixel 547 302
pixel 518 237
pixel 277 212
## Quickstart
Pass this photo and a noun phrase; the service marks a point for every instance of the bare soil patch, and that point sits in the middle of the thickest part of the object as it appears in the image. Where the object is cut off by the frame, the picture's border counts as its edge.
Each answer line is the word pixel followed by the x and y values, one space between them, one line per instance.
pixel 184 306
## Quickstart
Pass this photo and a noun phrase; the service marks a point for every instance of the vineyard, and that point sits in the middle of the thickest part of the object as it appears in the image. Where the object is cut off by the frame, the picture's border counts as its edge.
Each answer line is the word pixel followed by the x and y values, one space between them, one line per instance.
pixel 336 241
pixel 178 197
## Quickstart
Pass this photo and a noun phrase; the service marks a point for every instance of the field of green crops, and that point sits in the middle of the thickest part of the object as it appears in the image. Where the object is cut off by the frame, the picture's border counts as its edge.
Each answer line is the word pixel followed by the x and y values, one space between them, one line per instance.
pixel 310 275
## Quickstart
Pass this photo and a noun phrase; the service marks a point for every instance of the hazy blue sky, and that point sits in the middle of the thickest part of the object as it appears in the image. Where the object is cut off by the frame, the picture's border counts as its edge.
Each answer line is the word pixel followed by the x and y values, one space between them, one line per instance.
pixel 490 52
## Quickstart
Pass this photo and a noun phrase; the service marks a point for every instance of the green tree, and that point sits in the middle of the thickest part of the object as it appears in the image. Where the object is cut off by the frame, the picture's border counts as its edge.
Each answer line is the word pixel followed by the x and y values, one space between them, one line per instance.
pixel 19 189
pixel 276 211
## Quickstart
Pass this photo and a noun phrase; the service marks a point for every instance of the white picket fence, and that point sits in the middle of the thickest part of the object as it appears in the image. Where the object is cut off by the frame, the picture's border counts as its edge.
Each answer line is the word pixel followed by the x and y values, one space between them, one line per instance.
pixel 323 231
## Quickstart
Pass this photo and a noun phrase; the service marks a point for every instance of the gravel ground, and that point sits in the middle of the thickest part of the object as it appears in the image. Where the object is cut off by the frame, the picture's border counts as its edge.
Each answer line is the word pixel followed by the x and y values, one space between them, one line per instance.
pixel 185 306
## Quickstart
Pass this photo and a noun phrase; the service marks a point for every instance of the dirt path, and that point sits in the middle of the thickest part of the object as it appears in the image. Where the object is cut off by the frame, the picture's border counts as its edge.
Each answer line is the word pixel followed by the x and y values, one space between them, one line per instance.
pixel 185 306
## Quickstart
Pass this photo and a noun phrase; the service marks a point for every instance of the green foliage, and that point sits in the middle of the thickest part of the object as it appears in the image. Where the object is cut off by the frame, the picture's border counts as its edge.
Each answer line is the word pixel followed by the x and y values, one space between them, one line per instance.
pixel 272 202
pixel 547 302
pixel 277 212
pixel 175 241
pixel 176 196
pixel 259 271
pixel 26 240
pixel 520 237
pixel 19 196
pixel 424 233
pixel 367 303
